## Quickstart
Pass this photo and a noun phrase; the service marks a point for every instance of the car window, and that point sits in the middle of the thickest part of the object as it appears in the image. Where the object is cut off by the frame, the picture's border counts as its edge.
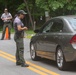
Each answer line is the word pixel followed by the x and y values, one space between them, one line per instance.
pixel 57 27
pixel 47 27
pixel 73 23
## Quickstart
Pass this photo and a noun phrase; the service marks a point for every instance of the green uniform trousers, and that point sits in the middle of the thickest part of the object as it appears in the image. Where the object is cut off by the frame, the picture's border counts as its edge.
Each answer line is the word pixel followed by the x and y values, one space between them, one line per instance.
pixel 4 29
pixel 19 50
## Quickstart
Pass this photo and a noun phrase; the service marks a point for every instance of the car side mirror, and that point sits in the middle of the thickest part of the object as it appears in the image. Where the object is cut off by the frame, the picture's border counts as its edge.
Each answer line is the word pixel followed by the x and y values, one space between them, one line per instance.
pixel 36 31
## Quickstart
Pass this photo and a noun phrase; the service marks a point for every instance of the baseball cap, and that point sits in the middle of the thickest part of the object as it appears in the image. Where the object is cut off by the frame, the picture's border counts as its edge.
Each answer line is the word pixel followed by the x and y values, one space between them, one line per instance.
pixel 21 12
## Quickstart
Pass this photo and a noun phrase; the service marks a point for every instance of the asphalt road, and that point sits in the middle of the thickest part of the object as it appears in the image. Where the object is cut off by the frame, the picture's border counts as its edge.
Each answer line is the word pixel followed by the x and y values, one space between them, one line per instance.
pixel 42 67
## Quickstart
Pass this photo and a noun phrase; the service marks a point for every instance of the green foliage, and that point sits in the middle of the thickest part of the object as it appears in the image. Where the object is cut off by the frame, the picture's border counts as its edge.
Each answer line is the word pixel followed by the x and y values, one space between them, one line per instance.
pixel 72 5
pixel 54 5
pixel 22 6
pixel 50 4
pixel 38 7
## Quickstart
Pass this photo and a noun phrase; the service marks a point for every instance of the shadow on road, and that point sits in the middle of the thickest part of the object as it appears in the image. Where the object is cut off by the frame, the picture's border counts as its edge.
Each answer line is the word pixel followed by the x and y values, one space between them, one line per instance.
pixel 49 62
pixel 71 66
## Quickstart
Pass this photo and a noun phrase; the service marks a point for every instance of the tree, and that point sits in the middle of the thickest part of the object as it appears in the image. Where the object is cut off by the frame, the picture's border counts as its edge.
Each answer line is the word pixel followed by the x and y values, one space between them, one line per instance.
pixel 29 13
pixel 37 8
pixel 54 5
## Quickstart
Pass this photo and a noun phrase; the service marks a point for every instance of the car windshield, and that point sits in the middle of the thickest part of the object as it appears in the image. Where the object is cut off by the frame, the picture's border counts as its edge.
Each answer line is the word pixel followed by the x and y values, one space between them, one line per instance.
pixel 73 23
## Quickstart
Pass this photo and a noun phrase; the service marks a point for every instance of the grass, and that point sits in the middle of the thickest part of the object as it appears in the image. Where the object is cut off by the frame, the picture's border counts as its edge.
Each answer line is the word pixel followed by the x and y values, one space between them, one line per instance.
pixel 28 33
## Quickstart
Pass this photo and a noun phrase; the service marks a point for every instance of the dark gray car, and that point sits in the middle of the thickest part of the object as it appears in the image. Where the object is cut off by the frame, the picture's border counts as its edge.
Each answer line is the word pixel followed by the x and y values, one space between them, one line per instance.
pixel 56 40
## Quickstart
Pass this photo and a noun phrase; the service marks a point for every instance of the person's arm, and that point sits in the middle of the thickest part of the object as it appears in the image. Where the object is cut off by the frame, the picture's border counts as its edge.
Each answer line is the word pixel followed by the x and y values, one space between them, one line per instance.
pixel 2 17
pixel 21 28
pixel 9 18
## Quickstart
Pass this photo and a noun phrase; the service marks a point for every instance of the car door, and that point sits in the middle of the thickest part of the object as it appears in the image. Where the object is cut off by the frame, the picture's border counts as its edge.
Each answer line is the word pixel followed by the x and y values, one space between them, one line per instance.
pixel 41 40
pixel 49 38
pixel 53 38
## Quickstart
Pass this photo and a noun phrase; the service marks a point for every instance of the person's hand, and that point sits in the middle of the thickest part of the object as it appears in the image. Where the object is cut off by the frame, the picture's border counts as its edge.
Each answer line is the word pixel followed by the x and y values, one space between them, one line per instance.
pixel 25 28
pixel 5 19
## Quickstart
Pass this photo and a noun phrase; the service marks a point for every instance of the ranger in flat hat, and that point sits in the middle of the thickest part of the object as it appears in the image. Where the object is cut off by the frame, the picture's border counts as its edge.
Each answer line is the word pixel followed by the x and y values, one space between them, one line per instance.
pixel 6 18
pixel 18 37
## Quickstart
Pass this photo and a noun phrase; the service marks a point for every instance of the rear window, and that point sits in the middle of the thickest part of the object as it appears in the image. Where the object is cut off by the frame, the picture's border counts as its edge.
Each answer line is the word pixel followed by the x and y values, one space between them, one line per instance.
pixel 73 23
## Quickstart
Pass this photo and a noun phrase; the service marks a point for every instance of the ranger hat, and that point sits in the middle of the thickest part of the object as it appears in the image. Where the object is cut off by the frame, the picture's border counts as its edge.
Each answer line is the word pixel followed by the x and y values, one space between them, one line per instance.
pixel 21 12
pixel 5 9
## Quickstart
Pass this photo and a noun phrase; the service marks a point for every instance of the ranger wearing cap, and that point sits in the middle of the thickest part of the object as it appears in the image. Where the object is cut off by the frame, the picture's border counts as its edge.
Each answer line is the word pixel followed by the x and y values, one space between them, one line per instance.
pixel 18 37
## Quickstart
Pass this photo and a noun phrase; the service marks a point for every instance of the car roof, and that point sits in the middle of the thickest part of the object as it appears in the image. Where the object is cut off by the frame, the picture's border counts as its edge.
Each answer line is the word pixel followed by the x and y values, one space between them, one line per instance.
pixel 66 17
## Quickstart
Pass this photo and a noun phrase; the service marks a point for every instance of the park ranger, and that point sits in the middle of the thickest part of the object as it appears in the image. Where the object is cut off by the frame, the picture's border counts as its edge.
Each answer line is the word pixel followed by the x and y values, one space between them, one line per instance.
pixel 6 18
pixel 18 37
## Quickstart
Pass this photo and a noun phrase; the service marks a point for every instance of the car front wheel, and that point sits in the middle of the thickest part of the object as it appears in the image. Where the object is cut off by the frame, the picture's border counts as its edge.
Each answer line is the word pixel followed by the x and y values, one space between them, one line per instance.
pixel 33 52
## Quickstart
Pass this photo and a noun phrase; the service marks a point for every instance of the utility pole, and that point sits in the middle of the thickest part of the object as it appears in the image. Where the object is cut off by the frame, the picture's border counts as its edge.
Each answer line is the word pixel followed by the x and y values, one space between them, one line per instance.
pixel 29 14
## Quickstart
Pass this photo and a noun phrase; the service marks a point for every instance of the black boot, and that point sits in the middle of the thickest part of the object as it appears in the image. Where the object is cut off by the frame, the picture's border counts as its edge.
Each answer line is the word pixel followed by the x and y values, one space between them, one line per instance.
pixel 24 65
pixel 17 64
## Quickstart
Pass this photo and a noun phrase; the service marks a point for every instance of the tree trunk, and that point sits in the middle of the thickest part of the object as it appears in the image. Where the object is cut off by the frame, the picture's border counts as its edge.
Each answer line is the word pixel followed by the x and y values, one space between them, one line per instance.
pixel 29 14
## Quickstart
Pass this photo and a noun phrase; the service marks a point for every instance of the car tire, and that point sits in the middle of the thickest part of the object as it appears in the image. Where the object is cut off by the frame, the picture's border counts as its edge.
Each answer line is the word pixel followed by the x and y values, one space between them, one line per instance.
pixel 60 60
pixel 33 52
